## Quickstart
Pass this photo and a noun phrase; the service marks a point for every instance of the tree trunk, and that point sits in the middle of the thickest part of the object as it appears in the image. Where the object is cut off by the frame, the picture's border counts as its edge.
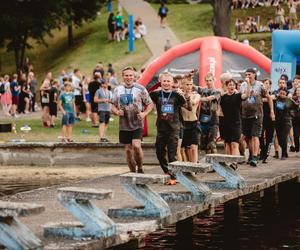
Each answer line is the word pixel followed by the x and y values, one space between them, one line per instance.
pixel 23 47
pixel 17 55
pixel 70 34
pixel 222 17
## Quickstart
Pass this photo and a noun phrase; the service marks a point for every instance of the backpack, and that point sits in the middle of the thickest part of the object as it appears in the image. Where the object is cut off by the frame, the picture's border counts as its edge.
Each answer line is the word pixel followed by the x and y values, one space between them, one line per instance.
pixel 2 88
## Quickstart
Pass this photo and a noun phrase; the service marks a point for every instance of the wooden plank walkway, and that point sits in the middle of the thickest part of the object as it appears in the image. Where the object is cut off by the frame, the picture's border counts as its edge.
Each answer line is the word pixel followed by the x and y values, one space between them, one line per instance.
pixel 257 179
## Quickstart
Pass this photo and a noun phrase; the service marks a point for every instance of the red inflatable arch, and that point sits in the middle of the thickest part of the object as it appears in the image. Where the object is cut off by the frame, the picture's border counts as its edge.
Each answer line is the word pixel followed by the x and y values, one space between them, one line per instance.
pixel 209 54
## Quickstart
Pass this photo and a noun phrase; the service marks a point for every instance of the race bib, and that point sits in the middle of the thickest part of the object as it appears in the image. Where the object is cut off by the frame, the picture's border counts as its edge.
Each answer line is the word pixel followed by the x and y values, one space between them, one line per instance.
pixel 167 108
pixel 126 99
pixel 280 105
pixel 251 99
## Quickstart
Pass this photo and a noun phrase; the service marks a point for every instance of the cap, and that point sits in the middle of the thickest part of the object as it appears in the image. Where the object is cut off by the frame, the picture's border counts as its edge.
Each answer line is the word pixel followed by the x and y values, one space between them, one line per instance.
pixel 251 70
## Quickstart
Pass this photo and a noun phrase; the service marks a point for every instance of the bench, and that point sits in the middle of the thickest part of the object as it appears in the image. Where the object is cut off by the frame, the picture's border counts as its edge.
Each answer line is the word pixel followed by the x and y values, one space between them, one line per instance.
pixel 13 233
pixel 136 185
pixel 232 178
pixel 94 223
pixel 185 174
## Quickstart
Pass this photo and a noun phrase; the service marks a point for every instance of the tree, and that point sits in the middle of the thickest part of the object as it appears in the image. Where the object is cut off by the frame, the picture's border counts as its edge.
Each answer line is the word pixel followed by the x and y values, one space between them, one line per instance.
pixel 24 19
pixel 222 17
pixel 79 11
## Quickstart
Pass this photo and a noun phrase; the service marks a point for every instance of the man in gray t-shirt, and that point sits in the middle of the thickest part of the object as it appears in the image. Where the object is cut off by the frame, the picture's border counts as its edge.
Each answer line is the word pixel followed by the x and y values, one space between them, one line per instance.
pixel 103 97
pixel 128 103
pixel 252 113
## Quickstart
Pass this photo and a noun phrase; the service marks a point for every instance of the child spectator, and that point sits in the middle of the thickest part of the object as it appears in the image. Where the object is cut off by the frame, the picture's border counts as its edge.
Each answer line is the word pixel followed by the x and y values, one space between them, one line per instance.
pixel 103 97
pixel 66 104
pixel 53 96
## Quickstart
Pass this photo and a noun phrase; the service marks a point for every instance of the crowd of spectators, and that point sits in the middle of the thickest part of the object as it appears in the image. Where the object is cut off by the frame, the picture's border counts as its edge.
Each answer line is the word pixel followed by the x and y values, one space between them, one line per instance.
pixel 118 28
pixel 280 20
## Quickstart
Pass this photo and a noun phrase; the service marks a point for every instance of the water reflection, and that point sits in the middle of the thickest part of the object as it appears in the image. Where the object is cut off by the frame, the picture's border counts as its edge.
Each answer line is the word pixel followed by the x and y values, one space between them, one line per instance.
pixel 271 222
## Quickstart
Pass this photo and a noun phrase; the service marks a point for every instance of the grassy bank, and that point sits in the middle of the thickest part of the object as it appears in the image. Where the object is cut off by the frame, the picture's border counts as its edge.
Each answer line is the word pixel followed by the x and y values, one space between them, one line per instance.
pixel 82 131
pixel 193 21
pixel 90 46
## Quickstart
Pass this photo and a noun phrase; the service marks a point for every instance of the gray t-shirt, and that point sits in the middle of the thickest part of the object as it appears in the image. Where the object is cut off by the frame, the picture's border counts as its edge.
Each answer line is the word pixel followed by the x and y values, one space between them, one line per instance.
pixel 252 107
pixel 131 101
pixel 103 94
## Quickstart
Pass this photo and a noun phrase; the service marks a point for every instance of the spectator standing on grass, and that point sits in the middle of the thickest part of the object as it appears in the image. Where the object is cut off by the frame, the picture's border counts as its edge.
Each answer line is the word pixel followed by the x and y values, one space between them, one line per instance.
pixel 292 5
pixel 45 98
pixel 77 89
pixel 6 98
pixel 119 27
pixel 128 101
pixel 32 83
pixel 111 26
pixel 279 16
pixel 93 87
pixel 103 97
pixel 66 104
pixel 86 98
pixel 15 92
pixel 162 13
pixel 53 98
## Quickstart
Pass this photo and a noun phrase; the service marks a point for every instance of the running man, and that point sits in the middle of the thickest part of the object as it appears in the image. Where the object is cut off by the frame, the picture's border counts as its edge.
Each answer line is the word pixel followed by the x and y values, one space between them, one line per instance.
pixel 128 103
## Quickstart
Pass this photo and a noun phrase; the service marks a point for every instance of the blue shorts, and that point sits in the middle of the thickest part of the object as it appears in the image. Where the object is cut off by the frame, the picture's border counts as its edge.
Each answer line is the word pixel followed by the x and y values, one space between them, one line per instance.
pixel 87 97
pixel 68 119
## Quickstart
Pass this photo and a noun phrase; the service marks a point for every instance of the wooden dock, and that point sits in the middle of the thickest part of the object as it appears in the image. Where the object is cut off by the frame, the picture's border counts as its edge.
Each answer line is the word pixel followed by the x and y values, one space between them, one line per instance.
pixel 133 230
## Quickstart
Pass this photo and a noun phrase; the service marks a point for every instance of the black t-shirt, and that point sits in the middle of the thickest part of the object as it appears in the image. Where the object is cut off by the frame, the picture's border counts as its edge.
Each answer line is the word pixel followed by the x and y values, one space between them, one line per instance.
pixel 168 109
pixel 231 108
pixel 93 87
pixel 52 93
pixel 283 108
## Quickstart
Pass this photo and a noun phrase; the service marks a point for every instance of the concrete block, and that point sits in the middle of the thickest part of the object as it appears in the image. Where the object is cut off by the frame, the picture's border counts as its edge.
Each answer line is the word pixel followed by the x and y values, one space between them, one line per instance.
pixel 79 193
pixel 19 209
pixel 224 158
pixel 189 167
pixel 136 178
pixel 94 222
pixel 14 234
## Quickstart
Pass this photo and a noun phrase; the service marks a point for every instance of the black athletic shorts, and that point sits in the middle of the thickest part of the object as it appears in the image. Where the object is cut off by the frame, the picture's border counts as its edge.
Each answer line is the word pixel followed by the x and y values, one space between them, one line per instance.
pixel 78 100
pixel 232 132
pixel 252 127
pixel 94 107
pixel 190 134
pixel 104 116
pixel 53 109
pixel 126 137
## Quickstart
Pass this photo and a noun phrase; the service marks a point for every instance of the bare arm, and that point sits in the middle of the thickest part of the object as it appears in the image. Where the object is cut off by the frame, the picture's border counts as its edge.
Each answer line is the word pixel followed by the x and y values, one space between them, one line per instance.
pixel 148 109
pixel 61 107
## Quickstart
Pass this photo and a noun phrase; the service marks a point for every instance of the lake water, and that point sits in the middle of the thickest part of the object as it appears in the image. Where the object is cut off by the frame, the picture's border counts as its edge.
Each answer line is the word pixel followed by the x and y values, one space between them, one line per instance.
pixel 271 222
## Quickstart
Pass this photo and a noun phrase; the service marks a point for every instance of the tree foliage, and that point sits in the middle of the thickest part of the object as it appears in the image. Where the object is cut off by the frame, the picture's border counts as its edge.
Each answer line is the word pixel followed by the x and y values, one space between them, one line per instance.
pixel 22 20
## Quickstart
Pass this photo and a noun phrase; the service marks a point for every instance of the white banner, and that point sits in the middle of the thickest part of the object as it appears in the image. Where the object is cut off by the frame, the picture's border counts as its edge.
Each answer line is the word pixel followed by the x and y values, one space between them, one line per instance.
pixel 279 68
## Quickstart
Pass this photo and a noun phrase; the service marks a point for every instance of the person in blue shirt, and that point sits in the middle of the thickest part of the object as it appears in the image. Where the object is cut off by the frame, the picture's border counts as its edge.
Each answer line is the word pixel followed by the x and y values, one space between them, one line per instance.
pixel 66 105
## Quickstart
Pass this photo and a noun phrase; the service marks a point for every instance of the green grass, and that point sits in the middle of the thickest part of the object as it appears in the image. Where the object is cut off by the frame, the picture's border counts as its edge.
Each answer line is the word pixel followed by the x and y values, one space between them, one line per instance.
pixel 90 47
pixel 189 21
pixel 193 21
pixel 82 131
